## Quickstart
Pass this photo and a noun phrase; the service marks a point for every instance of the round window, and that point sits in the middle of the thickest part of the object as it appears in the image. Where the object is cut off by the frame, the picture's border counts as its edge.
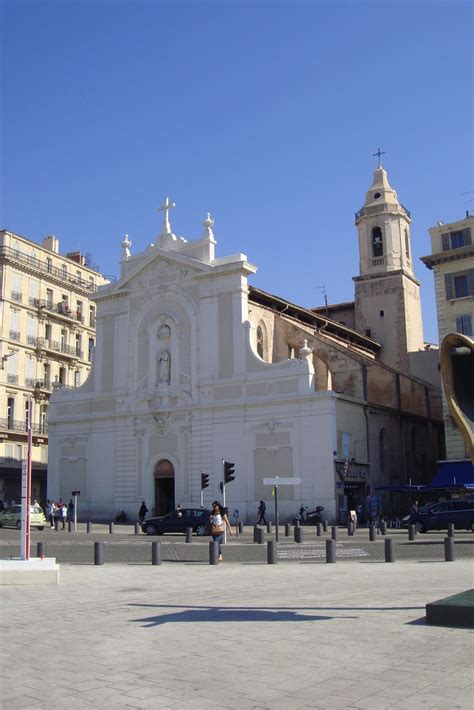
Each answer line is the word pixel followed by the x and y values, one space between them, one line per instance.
pixel 377 195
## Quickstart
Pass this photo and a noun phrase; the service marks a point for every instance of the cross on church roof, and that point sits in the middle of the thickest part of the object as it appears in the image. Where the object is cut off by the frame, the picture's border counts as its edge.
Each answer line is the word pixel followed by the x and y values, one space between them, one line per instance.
pixel 165 207
pixel 378 154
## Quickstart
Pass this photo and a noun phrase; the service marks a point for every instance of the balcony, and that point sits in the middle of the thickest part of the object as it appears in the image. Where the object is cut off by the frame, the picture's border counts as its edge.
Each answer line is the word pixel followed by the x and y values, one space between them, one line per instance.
pixel 60 308
pixel 32 340
pixel 15 335
pixel 47 268
pixel 57 347
pixel 12 379
pixel 21 427
pixel 17 296
pixel 378 261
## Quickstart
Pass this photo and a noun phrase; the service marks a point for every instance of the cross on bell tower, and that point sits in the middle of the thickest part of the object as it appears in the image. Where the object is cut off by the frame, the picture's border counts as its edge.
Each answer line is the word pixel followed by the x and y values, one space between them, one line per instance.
pixel 379 154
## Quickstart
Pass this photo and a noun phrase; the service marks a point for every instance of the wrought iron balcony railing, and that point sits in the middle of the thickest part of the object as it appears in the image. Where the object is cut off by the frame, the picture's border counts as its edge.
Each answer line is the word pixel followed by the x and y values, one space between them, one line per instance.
pixel 8 424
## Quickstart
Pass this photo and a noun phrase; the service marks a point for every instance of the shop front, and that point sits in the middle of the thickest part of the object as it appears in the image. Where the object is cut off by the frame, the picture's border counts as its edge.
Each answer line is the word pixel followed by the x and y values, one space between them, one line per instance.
pixel 352 479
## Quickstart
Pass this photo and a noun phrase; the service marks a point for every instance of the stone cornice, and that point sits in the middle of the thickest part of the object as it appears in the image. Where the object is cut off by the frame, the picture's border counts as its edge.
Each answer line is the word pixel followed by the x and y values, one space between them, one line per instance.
pixel 387 274
pixel 444 257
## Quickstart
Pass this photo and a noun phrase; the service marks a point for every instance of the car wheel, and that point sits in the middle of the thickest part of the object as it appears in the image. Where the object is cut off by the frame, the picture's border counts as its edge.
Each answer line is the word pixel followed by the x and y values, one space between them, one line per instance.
pixel 1 525
pixel 150 530
pixel 200 530
pixel 420 527
pixel 18 524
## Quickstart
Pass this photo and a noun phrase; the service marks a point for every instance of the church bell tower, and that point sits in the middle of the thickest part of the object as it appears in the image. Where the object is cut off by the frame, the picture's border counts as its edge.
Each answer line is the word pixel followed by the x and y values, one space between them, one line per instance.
pixel 387 294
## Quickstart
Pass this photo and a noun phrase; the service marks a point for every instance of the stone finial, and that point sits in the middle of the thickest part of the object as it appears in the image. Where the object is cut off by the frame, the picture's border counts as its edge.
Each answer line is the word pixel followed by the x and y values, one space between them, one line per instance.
pixel 305 351
pixel 126 244
pixel 208 224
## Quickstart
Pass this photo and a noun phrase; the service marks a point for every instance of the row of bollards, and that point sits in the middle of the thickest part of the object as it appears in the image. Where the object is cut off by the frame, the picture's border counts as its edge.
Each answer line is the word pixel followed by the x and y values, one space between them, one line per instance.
pixel 272 546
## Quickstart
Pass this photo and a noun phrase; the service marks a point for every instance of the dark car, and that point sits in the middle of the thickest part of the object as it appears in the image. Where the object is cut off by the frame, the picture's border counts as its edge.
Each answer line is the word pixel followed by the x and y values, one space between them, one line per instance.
pixel 437 516
pixel 178 520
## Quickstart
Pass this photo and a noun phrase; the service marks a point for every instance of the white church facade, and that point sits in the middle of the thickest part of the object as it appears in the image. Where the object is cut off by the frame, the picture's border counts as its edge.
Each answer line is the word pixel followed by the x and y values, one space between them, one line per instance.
pixel 193 365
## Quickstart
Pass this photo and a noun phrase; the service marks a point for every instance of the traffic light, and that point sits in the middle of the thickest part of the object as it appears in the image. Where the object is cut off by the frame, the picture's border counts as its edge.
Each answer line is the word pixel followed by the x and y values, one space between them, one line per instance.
pixel 229 471
pixel 204 481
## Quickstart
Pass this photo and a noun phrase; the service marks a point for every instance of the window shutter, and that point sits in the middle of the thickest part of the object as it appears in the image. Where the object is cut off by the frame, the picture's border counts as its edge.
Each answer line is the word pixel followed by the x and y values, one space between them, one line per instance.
pixel 445 241
pixel 467 239
pixel 470 281
pixel 448 280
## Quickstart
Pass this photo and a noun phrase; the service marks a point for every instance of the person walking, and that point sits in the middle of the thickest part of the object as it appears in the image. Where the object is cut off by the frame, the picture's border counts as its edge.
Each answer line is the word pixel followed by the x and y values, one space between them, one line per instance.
pixel 142 512
pixel 63 515
pixel 219 522
pixel 261 510
pixel 50 512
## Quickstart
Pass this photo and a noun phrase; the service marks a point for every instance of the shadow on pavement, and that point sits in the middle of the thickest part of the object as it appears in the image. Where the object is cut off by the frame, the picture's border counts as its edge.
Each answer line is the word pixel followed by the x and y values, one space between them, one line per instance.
pixel 213 614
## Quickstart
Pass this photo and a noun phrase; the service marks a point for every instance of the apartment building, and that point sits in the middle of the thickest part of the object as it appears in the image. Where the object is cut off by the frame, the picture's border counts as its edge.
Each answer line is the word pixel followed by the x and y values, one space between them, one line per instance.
pixel 47 334
pixel 452 262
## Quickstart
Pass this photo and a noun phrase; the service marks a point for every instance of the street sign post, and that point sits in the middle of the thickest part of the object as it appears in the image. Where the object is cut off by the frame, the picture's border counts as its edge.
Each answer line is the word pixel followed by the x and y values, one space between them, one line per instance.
pixel 26 493
pixel 275 482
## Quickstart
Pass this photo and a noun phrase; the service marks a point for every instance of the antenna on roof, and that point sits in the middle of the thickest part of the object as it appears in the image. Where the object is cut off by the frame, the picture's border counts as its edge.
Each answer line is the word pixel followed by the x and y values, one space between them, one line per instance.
pixel 323 290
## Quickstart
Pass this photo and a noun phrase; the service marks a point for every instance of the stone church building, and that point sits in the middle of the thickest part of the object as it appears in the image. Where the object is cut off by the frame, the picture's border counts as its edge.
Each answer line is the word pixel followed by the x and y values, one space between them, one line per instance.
pixel 194 365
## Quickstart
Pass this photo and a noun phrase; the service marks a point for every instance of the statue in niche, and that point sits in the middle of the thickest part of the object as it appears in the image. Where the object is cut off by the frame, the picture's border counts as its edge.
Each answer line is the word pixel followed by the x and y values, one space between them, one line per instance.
pixel 164 367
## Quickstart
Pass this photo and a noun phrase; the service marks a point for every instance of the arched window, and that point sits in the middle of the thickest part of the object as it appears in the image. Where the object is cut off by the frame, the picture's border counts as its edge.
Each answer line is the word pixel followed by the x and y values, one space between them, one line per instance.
pixel 377 243
pixel 407 244
pixel 260 341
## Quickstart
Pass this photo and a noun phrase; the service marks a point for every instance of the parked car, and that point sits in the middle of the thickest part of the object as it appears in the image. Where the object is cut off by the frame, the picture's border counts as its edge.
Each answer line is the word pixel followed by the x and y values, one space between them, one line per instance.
pixel 178 520
pixel 11 517
pixel 437 516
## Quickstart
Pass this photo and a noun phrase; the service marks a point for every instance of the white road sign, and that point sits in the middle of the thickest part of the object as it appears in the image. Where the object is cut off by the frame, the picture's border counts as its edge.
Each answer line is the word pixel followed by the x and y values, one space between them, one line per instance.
pixel 281 481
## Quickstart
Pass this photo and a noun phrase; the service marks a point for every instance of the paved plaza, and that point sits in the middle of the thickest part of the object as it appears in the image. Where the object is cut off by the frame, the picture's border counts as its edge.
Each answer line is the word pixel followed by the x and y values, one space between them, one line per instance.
pixel 251 635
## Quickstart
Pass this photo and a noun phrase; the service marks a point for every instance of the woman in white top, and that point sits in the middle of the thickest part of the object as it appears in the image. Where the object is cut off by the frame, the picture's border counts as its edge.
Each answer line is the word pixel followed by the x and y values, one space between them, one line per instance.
pixel 219 522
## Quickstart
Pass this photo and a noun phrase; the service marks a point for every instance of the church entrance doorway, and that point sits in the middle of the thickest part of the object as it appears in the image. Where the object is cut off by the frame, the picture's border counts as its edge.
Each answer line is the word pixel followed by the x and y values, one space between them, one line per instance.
pixel 164 487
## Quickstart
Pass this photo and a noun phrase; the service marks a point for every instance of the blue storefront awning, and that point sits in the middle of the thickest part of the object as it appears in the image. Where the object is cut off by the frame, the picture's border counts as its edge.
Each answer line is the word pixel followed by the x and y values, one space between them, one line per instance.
pixel 453 473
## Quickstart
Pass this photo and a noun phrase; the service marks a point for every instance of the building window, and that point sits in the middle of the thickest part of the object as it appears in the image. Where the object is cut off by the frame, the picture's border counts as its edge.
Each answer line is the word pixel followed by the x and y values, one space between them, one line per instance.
pixel 79 311
pixel 77 378
pixel 407 245
pixel 10 412
pixel 49 298
pixel 48 332
pixel 49 264
pixel 92 316
pixel 62 375
pixel 63 340
pixel 90 348
pixel 457 239
pixel 377 243
pixel 64 271
pixel 461 286
pixel 464 324
pixel 78 345
pixel 260 341
pixel 47 375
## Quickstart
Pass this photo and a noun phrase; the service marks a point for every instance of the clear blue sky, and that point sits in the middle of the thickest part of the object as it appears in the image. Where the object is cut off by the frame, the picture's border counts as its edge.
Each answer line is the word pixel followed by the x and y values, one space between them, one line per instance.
pixel 264 113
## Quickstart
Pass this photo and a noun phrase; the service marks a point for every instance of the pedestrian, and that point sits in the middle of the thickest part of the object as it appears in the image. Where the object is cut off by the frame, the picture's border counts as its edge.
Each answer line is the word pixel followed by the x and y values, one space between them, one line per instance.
pixel 70 510
pixel 415 507
pixel 219 522
pixel 261 510
pixel 50 512
pixel 63 514
pixel 142 512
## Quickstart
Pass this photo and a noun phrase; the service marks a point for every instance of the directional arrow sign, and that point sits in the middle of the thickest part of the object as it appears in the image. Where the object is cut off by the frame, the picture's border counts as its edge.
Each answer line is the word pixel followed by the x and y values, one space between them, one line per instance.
pixel 281 481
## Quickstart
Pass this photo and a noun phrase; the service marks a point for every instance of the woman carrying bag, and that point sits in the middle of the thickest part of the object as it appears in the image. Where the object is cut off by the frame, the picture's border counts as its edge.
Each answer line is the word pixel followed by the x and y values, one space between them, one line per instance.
pixel 219 521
